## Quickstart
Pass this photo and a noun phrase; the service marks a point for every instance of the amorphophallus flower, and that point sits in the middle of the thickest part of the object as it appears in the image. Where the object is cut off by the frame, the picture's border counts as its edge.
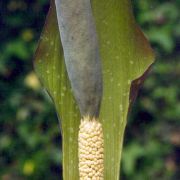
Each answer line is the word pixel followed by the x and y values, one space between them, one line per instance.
pixel 92 57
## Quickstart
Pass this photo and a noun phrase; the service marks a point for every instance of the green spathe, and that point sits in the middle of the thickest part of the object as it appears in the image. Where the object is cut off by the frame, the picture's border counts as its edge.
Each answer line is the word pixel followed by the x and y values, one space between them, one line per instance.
pixel 125 55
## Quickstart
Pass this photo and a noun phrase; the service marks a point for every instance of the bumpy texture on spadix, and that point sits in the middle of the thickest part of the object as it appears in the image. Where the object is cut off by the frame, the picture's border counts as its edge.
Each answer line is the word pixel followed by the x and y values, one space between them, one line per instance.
pixel 91 150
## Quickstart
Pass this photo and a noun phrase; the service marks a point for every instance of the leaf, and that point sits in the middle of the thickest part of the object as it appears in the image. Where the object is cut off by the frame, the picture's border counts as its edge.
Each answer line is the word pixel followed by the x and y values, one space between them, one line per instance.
pixel 126 57
pixel 132 153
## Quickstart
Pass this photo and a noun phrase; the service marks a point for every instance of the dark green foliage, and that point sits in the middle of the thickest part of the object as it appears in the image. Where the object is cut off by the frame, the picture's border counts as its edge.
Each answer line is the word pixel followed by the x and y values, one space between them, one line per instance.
pixel 29 133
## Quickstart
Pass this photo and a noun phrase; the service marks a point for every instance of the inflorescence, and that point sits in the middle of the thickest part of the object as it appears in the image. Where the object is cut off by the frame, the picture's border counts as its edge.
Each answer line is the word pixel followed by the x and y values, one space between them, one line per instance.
pixel 91 150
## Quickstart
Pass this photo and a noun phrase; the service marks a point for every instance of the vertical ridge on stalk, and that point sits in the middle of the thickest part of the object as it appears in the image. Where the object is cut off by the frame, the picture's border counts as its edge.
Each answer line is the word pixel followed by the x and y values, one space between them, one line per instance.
pixel 91 150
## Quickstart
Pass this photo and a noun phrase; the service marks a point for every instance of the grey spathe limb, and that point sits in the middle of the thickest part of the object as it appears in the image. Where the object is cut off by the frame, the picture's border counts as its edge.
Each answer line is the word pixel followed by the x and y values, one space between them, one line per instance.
pixel 81 53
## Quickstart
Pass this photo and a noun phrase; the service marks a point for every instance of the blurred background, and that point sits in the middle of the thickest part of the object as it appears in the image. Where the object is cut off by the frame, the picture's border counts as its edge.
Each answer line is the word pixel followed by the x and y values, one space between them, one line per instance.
pixel 30 142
